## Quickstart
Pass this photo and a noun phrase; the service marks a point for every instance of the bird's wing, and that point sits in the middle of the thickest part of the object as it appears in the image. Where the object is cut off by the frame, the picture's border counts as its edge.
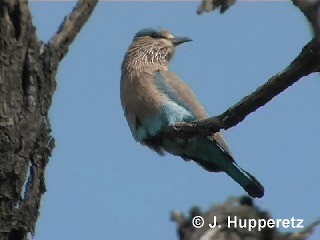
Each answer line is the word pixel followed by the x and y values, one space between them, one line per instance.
pixel 179 92
pixel 183 95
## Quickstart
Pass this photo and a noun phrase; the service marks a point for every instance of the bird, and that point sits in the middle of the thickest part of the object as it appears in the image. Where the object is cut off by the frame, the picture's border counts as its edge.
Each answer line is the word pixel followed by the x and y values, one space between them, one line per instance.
pixel 153 98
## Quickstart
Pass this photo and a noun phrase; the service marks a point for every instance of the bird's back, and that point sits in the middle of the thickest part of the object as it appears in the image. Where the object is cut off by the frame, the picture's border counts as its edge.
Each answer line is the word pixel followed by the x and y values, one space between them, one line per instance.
pixel 187 95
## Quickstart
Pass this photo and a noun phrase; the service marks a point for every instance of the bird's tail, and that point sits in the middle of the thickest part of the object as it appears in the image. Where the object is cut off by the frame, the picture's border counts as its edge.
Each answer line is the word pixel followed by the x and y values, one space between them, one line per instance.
pixel 214 158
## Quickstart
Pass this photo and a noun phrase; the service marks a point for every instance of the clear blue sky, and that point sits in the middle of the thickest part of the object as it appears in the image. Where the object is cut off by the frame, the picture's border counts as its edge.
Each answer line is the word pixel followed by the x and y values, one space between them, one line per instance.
pixel 103 185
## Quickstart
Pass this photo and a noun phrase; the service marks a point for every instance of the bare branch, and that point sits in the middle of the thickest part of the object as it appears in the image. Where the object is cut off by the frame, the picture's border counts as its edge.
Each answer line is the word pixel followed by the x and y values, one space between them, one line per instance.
pixel 71 26
pixel 307 232
pixel 311 9
pixel 211 5
pixel 307 62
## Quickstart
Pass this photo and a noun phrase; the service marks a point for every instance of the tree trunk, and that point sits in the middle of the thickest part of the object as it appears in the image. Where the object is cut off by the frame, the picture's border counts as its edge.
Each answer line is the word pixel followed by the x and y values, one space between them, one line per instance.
pixel 27 83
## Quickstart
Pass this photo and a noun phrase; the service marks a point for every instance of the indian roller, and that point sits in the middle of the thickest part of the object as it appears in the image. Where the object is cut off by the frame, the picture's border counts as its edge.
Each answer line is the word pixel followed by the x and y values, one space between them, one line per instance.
pixel 153 98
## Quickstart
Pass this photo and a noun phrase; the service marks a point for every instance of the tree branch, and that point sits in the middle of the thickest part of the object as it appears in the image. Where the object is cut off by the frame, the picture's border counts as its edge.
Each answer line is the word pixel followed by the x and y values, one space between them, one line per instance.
pixel 310 9
pixel 211 5
pixel 306 63
pixel 71 26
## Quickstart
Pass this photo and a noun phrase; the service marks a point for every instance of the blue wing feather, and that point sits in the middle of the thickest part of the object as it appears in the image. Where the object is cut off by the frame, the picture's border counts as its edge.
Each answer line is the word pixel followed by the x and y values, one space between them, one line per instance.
pixel 174 110
pixel 167 89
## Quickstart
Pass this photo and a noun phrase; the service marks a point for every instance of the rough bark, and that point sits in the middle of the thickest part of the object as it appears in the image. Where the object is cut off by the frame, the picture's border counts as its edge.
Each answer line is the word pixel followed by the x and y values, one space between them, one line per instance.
pixel 241 208
pixel 27 83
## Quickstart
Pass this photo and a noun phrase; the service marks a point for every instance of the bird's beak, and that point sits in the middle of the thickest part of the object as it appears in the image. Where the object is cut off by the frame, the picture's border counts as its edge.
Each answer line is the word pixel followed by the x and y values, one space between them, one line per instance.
pixel 178 40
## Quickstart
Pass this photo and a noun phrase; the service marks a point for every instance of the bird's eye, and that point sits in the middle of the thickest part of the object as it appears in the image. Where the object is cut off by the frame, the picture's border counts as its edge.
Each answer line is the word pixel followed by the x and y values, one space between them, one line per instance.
pixel 157 35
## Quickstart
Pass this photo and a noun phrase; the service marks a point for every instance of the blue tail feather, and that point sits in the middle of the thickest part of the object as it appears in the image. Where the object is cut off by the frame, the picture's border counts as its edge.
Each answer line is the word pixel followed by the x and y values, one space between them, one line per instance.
pixel 213 157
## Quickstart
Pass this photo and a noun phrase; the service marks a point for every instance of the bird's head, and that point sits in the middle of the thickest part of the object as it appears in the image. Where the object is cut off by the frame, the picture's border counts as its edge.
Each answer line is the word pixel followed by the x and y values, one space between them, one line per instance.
pixel 162 38
pixel 152 47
